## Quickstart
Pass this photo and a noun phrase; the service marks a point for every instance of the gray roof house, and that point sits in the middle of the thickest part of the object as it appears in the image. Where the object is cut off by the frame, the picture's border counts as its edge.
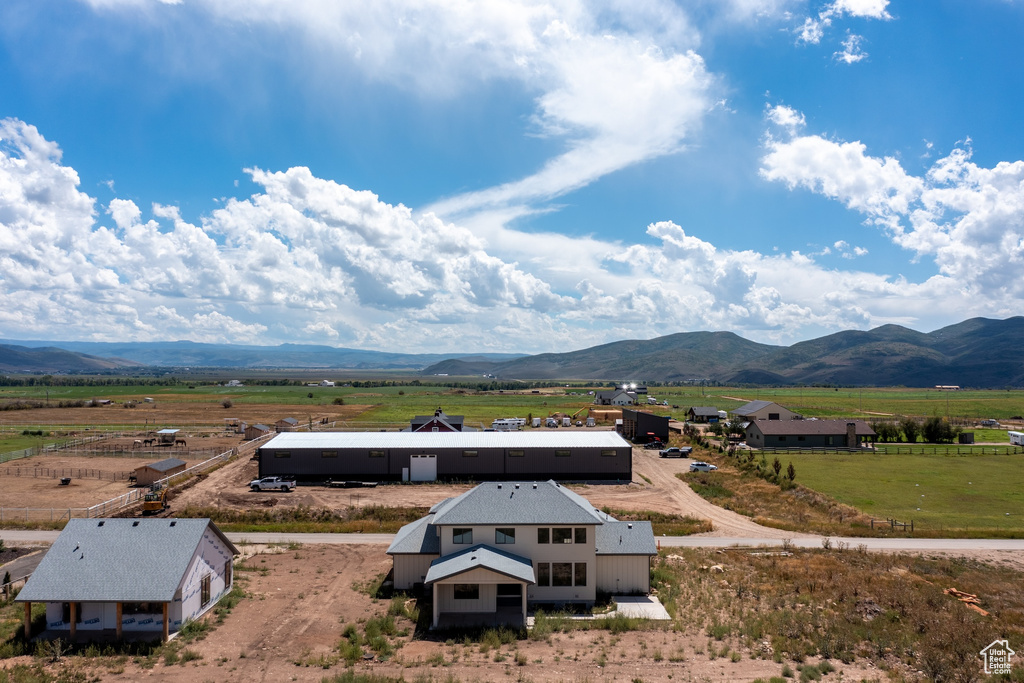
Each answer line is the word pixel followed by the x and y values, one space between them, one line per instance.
pixel 615 397
pixel 489 552
pixel 792 434
pixel 139 577
pixel 764 410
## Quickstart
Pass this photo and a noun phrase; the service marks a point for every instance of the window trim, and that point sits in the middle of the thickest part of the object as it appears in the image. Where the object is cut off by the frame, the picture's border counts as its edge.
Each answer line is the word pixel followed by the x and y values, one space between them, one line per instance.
pixel 375 454
pixel 505 535
pixel 462 535
pixel 205 592
pixel 470 454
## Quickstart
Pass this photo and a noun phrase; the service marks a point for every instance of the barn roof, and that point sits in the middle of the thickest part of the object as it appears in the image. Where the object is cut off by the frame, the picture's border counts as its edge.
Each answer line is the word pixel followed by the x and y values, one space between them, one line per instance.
pixel 468 440
pixel 164 465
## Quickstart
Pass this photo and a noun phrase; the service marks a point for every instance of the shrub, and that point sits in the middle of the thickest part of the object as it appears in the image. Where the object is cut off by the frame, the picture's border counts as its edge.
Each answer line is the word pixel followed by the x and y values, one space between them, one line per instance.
pixel 227 403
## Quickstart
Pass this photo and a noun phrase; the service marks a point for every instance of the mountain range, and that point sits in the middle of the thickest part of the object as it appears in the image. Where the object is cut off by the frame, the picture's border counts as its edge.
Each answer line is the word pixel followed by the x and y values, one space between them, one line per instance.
pixel 979 352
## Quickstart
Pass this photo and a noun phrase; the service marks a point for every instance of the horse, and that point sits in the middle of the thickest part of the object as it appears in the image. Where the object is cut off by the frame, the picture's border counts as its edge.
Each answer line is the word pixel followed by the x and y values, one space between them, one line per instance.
pixel 137 443
pixel 149 442
pixel 180 442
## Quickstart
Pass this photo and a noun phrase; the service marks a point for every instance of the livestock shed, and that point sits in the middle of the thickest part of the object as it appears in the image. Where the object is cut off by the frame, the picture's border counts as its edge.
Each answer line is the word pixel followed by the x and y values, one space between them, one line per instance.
pixel 418 456
pixel 256 431
pixel 643 427
pixel 167 436
pixel 147 474
pixel 808 433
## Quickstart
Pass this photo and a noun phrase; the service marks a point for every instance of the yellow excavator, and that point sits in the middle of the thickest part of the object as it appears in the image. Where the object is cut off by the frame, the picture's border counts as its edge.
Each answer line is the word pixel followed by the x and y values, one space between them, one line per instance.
pixel 155 501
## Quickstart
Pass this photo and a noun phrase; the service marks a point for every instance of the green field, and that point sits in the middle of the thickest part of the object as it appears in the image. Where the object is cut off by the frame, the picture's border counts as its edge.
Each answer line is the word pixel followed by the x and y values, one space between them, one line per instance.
pixel 937 492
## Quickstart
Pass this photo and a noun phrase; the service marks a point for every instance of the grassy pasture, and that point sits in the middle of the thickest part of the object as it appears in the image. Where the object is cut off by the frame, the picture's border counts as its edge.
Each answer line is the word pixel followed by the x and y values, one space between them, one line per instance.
pixel 953 492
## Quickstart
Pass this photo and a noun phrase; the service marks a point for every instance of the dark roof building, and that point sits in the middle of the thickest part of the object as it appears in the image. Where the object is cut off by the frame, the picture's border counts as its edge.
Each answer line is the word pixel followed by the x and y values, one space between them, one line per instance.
pixel 438 422
pixel 702 414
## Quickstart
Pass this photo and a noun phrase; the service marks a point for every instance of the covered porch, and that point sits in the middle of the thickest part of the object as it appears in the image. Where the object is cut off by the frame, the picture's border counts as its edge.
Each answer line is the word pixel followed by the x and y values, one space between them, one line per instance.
pixel 480 586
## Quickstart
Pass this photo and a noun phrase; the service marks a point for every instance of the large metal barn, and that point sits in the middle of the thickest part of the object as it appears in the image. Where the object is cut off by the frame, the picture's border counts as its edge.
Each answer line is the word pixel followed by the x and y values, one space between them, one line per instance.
pixel 475 456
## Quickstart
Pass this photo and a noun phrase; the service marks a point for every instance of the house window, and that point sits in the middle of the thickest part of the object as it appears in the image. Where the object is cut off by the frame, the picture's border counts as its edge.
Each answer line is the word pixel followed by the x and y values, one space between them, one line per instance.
pixel 773 416
pixel 376 454
pixel 561 535
pixel 608 453
pixel 782 438
pixel 434 429
pixel 562 454
pixel 139 608
pixel 580 534
pixel 65 615
pixel 282 454
pixel 580 574
pixel 228 568
pixel 469 454
pixel 801 438
pixel 204 591
pixel 328 454
pixel 504 536
pixel 516 454
pixel 467 591
pixel 543 574
pixel 561 573
pixel 829 440
pixel 543 535
pixel 462 536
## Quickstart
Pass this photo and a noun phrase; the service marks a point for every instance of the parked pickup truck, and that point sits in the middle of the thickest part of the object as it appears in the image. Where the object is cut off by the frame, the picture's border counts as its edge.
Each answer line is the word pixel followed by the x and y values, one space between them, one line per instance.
pixel 285 484
pixel 674 452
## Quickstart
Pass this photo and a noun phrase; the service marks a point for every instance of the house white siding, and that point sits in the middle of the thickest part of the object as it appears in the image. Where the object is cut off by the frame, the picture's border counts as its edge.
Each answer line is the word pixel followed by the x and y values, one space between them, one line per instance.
pixel 411 569
pixel 487 602
pixel 211 559
pixel 623 574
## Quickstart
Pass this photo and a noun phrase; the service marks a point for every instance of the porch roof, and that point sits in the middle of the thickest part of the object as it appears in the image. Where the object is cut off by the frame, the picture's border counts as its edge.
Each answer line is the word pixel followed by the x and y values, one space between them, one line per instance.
pixel 481 557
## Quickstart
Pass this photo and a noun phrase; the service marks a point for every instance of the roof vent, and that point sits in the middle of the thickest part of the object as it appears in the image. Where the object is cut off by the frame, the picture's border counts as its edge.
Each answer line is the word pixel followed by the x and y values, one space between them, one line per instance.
pixel 135 523
pixel 101 522
pixel 517 486
pixel 499 486
pixel 173 522
pixel 535 486
pixel 629 526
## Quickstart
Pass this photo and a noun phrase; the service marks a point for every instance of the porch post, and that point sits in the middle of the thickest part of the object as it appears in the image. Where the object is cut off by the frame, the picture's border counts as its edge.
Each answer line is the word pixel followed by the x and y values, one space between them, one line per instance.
pixel 437 606
pixel 524 604
pixel 120 611
pixel 28 620
pixel 166 625
pixel 74 619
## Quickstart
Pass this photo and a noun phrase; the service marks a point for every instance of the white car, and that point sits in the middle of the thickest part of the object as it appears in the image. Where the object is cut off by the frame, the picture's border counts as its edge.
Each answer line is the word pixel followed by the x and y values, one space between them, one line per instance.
pixel 698 466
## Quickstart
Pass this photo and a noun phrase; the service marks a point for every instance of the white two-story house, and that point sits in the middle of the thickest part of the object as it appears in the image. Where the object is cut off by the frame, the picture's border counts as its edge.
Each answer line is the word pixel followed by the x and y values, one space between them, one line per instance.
pixel 499 546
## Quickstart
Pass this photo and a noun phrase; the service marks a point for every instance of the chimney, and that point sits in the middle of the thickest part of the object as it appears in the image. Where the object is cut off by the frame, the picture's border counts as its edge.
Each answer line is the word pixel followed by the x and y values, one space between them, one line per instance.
pixel 851 435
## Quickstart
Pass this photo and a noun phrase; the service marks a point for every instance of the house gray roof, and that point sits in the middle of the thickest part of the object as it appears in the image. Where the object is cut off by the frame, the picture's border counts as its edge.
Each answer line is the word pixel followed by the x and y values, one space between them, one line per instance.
pixel 751 407
pixel 416 538
pixel 481 557
pixel 124 560
pixel 517 503
pixel 800 427
pixel 705 411
pixel 289 420
pixel 625 538
pixel 261 427
pixel 164 465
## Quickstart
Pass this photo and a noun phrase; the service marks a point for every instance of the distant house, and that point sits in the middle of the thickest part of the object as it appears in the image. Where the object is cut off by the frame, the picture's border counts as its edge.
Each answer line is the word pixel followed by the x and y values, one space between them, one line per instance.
pixel 326 383
pixel 489 552
pixel 147 474
pixel 702 414
pixel 256 431
pixel 763 410
pixel 288 424
pixel 808 433
pixel 643 427
pixel 117 577
pixel 616 397
pixel 438 422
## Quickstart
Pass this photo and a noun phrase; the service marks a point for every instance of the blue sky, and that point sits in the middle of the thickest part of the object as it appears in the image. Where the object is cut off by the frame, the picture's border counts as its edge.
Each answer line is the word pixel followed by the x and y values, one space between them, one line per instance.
pixel 509 175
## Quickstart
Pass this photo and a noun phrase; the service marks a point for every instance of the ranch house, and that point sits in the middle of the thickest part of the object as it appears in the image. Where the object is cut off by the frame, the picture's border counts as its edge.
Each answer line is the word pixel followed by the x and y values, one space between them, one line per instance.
pixel 809 434
pixel 487 554
pixel 129 577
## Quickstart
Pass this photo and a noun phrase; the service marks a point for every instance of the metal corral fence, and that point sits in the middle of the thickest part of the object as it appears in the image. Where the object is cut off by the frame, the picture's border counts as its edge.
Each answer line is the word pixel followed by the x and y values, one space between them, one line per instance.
pixel 903 450
pixel 48 448
pixel 61 472
pixel 115 504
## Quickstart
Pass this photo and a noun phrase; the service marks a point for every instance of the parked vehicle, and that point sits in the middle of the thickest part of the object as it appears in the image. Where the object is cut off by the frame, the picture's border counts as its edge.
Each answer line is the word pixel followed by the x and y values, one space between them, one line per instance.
pixel 284 484
pixel 675 452
pixel 155 501
pixel 652 445
pixel 699 466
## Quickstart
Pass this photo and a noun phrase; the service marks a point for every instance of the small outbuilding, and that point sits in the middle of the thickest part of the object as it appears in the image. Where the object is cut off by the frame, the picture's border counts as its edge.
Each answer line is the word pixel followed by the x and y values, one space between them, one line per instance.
pixel 168 467
pixel 121 577
pixel 166 437
pixel 256 431
pixel 642 427
pixel 288 424
pixel 702 414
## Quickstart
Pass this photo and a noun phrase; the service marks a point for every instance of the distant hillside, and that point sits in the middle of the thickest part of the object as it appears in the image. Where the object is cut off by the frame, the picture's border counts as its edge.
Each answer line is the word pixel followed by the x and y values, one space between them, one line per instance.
pixel 975 353
pixel 191 354
pixel 50 359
